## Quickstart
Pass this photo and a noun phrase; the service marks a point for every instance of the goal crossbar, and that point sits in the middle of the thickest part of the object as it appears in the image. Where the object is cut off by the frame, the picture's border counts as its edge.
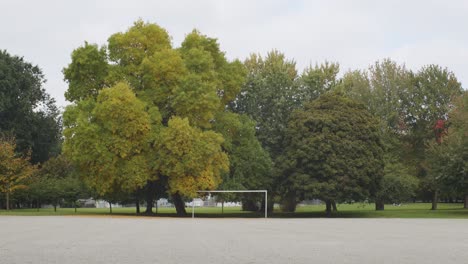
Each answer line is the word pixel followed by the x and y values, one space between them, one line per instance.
pixel 233 191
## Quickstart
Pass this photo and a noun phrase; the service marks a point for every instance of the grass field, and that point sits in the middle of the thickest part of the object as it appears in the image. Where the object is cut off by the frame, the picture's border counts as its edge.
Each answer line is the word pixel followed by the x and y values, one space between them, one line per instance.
pixel 357 210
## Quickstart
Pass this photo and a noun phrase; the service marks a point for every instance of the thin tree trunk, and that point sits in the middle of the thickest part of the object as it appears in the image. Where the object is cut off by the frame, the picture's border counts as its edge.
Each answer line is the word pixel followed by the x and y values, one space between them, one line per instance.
pixel 7 200
pixel 465 205
pixel 222 206
pixel 110 207
pixel 74 203
pixel 137 204
pixel 328 207
pixel 435 198
pixel 55 207
pixel 333 203
pixel 179 204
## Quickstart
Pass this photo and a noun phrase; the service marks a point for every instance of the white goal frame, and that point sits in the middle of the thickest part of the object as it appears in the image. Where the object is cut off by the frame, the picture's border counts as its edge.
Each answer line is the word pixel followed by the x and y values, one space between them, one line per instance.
pixel 234 191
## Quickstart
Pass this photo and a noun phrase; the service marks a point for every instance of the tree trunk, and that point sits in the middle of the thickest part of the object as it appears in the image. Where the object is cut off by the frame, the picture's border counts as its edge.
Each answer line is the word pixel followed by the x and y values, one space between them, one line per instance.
pixel 55 207
pixel 465 205
pixel 435 198
pixel 7 200
pixel 179 204
pixel 74 203
pixel 379 205
pixel 137 204
pixel 288 203
pixel 328 207
pixel 150 193
pixel 110 207
pixel 333 203
pixel 222 206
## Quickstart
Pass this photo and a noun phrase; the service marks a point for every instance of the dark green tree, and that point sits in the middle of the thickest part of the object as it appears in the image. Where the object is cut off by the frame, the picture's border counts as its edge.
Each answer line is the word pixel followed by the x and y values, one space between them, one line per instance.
pixel 334 151
pixel 27 112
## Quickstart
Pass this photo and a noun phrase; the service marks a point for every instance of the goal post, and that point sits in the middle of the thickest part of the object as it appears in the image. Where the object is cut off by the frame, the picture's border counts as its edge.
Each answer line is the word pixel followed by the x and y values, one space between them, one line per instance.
pixel 234 191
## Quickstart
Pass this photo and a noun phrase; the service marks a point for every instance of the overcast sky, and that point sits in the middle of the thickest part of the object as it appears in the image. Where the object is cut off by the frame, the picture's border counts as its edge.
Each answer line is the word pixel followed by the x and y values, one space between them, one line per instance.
pixel 353 33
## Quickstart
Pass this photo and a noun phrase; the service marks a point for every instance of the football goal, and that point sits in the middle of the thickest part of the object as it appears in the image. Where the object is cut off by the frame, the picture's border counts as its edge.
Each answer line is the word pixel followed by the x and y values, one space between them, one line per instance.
pixel 233 191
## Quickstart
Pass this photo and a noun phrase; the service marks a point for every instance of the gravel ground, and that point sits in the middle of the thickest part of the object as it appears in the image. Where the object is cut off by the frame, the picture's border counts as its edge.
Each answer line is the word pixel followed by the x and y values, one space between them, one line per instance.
pixel 69 239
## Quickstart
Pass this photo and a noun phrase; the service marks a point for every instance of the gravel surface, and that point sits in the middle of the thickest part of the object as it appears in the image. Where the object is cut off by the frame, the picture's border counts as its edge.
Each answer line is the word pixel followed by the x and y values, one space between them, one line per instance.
pixel 70 239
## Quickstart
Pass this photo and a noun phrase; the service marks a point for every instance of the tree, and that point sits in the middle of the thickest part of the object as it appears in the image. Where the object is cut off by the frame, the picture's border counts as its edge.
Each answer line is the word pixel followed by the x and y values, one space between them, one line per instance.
pixel 27 112
pixel 428 104
pixel 15 169
pixel 409 106
pixel 334 151
pixel 398 185
pixel 193 82
pixel 56 182
pixel 448 158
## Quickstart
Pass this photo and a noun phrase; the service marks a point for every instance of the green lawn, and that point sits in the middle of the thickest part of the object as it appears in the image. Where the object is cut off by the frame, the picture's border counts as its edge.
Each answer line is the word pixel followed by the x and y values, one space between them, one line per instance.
pixel 357 210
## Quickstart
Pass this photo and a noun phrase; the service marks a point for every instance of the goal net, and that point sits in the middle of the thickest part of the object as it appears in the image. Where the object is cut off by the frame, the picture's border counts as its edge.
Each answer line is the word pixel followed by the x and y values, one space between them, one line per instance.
pixel 211 202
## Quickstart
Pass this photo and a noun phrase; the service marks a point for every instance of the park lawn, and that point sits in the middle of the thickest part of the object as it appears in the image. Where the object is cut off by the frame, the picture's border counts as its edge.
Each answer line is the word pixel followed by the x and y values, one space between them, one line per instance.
pixel 356 210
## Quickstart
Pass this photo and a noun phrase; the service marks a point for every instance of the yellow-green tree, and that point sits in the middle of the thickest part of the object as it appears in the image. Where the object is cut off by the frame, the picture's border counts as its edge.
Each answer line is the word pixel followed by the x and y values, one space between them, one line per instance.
pixel 15 170
pixel 181 91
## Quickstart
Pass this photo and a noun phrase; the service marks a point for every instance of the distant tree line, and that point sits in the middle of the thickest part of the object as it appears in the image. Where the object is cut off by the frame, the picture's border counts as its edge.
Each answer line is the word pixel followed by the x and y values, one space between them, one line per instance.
pixel 149 120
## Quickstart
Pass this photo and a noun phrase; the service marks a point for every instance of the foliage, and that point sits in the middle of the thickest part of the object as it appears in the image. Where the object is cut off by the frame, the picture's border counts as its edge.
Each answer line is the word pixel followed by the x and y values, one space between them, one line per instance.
pixel 334 150
pixel 105 140
pixel 87 74
pixel 191 158
pixel 398 185
pixel 250 164
pixel 15 170
pixel 319 80
pixel 27 112
pixel 269 95
pixel 448 167
pixel 56 181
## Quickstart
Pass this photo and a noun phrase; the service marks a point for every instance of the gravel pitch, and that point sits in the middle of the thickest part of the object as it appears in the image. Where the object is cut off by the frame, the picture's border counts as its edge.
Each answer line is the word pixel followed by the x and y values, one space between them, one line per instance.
pixel 68 239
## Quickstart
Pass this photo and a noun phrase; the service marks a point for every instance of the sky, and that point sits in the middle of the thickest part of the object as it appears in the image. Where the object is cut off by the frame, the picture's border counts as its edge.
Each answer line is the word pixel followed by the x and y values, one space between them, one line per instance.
pixel 354 33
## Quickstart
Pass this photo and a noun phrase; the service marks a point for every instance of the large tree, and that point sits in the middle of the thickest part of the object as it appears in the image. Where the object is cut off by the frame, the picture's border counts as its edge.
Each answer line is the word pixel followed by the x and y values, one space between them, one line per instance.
pixel 27 112
pixel 182 88
pixel 334 151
